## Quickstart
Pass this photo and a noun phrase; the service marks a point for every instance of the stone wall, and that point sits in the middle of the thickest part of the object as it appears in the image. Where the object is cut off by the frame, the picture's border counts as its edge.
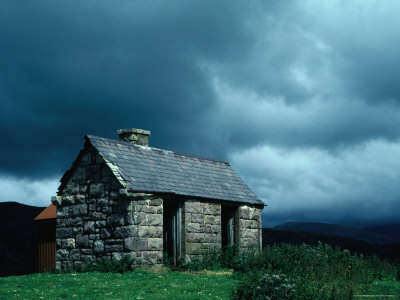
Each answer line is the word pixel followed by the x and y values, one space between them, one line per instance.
pixel 248 228
pixel 146 243
pixel 201 228
pixel 94 220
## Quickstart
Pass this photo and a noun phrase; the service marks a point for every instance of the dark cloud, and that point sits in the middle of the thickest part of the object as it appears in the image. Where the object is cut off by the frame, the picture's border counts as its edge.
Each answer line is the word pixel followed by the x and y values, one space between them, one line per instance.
pixel 71 69
pixel 302 97
pixel 355 186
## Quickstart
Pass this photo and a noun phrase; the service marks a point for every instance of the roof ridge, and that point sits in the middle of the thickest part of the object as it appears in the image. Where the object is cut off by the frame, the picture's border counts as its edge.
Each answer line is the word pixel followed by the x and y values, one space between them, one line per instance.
pixel 175 152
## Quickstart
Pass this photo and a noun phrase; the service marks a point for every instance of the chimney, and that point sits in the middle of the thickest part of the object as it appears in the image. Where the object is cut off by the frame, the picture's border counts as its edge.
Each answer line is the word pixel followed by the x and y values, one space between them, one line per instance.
pixel 134 136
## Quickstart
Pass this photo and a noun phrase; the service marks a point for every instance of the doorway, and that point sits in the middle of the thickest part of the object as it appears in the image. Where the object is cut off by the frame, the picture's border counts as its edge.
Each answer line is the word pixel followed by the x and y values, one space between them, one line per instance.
pixel 172 224
pixel 228 225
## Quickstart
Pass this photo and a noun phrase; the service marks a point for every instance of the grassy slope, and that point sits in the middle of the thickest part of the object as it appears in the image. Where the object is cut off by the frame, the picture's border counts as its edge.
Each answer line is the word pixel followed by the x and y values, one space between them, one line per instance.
pixel 133 285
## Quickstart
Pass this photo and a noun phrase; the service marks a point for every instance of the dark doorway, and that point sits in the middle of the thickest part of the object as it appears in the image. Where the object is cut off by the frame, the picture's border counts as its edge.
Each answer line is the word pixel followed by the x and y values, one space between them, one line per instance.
pixel 172 230
pixel 228 225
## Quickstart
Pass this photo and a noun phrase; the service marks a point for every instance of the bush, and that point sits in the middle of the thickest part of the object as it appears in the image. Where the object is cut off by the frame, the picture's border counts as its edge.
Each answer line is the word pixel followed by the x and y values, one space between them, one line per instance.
pixel 125 264
pixel 226 258
pixel 269 287
pixel 275 287
pixel 319 272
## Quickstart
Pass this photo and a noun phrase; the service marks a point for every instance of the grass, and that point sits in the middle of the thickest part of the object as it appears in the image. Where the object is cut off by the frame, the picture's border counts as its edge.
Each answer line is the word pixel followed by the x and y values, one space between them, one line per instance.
pixel 139 284
pixel 312 272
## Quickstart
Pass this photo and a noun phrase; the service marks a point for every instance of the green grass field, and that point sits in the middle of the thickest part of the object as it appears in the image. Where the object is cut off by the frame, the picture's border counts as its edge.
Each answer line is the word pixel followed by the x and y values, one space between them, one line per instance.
pixel 142 284
pixel 297 272
pixel 138 284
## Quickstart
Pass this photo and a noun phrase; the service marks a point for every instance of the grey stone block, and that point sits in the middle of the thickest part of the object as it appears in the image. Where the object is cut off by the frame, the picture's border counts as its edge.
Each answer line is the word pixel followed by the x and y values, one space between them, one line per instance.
pixel 68 200
pixel 195 237
pixel 116 220
pixel 98 246
pixel 212 209
pixel 75 254
pixel 86 251
pixel 97 216
pixel 139 218
pixel 89 259
pixel 117 255
pixel 156 202
pixel 197 218
pixel 125 231
pixel 82 241
pixel 135 244
pixel 77 230
pixel 79 210
pixel 155 244
pixel 193 207
pixel 63 212
pixel 113 248
pixel 96 189
pixel 244 212
pixel 70 243
pixel 150 231
pixel 63 233
pixel 103 202
pixel 192 227
pixel 62 254
pixel 100 224
pixel 105 233
pixel 106 210
pixel 79 198
pixel 154 220
pixel 89 226
pixel 210 219
pixel 94 236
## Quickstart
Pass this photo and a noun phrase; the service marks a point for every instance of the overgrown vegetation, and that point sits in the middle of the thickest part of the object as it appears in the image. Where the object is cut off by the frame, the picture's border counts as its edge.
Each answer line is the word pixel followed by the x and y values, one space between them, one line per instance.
pixel 104 265
pixel 275 287
pixel 314 272
pixel 217 259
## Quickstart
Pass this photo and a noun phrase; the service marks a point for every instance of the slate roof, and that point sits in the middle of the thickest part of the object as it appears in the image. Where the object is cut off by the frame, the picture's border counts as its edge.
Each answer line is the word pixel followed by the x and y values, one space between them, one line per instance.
pixel 148 169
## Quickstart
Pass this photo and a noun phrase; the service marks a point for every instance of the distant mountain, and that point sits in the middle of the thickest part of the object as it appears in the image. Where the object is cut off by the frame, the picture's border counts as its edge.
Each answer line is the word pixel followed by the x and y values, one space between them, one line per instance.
pixel 368 236
pixel 18 238
pixel 390 231
pixel 390 252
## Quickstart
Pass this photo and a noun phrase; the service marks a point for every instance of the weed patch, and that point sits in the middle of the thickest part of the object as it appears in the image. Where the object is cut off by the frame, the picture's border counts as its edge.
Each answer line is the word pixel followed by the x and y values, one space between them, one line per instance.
pixel 310 272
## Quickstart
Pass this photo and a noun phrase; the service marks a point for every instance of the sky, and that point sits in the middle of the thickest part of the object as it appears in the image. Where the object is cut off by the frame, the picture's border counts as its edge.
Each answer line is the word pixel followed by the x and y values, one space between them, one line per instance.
pixel 302 97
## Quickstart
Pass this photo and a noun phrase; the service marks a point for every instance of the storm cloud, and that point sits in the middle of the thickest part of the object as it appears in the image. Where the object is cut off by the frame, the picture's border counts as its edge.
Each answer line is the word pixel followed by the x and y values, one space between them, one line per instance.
pixel 302 98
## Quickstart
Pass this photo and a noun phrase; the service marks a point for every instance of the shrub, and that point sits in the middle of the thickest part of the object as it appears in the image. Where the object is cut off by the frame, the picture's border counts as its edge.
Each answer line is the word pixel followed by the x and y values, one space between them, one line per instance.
pixel 269 287
pixel 319 272
pixel 125 264
pixel 275 287
pixel 226 258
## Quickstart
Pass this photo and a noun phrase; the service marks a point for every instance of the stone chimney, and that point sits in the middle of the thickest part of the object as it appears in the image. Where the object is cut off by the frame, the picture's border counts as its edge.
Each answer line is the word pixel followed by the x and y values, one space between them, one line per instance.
pixel 134 136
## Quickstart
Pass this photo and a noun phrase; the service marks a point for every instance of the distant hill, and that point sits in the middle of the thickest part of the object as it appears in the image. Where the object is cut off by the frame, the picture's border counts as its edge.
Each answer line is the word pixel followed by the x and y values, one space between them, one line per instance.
pixel 390 231
pixel 18 238
pixel 368 236
pixel 271 236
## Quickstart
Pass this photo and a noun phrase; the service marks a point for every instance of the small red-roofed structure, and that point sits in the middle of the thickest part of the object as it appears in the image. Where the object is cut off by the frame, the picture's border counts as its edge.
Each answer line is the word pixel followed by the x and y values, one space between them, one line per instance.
pixel 46 221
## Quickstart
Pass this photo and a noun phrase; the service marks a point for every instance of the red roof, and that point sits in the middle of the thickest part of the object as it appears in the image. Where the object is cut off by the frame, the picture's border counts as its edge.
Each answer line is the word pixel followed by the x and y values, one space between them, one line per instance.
pixel 48 213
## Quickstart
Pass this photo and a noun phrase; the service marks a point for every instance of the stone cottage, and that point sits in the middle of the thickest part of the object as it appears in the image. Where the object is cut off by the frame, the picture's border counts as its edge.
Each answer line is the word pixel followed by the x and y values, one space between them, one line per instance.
pixel 122 197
